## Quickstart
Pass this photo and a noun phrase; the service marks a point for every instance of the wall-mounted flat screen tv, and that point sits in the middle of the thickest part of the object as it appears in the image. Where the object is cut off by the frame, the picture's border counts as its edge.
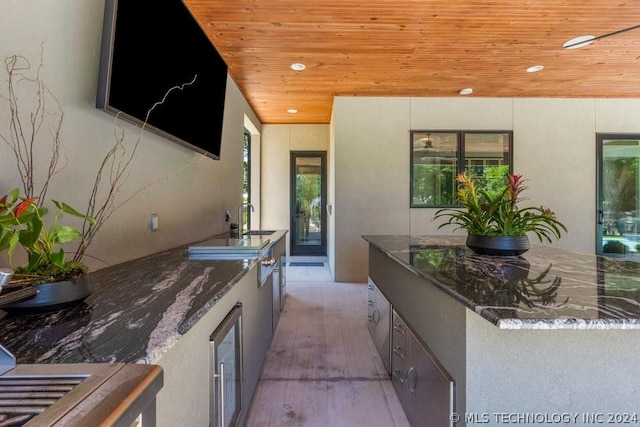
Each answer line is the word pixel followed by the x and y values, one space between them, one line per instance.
pixel 149 47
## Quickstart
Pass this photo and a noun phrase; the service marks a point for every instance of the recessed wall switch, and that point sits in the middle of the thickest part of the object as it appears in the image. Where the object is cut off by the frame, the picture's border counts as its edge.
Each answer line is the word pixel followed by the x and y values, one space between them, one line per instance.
pixel 154 222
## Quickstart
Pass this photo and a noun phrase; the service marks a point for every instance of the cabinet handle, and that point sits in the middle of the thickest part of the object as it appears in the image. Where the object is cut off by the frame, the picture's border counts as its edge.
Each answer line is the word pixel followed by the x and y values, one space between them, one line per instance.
pixel 221 393
pixel 397 374
pixel 399 351
pixel 412 379
pixel 398 327
pixel 376 320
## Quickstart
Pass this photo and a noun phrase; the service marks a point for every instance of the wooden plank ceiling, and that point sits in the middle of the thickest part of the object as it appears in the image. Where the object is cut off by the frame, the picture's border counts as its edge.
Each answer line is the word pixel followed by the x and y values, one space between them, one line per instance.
pixel 424 48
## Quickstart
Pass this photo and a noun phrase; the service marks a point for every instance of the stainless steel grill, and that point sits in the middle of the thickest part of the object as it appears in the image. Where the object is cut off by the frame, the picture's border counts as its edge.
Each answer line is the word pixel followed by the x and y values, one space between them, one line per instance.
pixel 24 397
pixel 79 395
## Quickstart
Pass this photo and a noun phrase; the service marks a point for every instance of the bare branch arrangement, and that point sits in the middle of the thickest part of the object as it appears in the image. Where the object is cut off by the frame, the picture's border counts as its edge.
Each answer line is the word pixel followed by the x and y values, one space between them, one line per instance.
pixel 23 139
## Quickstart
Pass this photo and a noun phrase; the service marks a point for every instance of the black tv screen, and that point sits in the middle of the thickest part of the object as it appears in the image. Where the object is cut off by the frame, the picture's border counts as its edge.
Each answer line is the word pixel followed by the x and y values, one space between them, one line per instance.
pixel 149 47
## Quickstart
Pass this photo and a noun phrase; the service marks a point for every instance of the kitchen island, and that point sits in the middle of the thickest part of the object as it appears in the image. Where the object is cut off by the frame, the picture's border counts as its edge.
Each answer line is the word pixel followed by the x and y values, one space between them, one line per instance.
pixel 160 309
pixel 548 338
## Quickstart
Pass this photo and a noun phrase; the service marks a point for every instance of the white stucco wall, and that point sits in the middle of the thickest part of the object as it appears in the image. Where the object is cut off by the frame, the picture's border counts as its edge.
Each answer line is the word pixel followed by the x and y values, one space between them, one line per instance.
pixel 554 148
pixel 278 141
pixel 189 193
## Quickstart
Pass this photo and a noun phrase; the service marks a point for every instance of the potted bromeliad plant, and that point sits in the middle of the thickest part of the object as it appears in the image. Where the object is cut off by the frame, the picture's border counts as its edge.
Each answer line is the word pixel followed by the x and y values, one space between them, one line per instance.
pixel 496 225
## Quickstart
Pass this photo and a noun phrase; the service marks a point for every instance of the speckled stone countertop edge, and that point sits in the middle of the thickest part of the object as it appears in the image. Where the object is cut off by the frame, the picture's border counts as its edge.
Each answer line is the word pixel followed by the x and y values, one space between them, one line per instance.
pixel 564 323
pixel 138 310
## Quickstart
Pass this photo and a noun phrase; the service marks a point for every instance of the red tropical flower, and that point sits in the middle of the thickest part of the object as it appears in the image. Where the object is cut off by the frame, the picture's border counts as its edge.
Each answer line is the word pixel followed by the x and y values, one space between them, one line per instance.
pixel 22 206
pixel 515 186
pixel 3 203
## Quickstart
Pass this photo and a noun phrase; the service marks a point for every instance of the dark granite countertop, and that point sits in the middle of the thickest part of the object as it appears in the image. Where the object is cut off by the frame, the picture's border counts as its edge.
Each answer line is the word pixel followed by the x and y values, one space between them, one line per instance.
pixel 137 311
pixel 545 288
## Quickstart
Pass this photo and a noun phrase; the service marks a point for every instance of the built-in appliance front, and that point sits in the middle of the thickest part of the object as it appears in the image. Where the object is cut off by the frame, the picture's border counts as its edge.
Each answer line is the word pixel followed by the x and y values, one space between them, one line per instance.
pixel 225 348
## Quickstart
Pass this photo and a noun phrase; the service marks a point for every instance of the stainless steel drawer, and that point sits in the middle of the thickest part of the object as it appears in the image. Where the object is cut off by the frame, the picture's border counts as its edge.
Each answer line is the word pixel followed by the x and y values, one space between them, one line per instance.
pixel 399 354
pixel 424 387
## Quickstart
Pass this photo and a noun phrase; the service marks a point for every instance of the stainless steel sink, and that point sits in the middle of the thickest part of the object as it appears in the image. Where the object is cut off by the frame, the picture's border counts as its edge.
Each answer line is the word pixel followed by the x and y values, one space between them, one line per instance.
pixel 229 248
pixel 243 255
pixel 258 233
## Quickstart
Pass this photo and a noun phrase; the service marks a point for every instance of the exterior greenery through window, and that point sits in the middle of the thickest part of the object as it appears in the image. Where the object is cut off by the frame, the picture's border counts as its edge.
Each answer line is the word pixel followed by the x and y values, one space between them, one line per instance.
pixel 438 156
pixel 246 179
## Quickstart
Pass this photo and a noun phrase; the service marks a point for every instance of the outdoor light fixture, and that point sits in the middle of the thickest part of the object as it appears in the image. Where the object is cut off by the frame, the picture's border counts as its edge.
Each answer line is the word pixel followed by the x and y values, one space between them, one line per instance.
pixel 583 41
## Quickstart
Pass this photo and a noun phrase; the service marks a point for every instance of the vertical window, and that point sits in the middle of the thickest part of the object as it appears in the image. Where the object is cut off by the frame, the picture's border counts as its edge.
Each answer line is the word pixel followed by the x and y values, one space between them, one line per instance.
pixel 618 196
pixel 437 157
pixel 246 179
pixel 487 158
pixel 434 165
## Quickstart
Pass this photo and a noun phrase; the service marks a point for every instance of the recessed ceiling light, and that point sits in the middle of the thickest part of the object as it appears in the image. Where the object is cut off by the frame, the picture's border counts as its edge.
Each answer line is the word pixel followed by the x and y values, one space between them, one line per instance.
pixel 292 111
pixel 298 66
pixel 466 91
pixel 535 68
pixel 578 42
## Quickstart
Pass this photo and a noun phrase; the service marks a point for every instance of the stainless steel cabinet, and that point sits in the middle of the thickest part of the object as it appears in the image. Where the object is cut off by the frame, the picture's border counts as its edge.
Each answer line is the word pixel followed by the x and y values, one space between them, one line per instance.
pixel 283 280
pixel 379 323
pixel 424 387
pixel 280 272
pixel 277 289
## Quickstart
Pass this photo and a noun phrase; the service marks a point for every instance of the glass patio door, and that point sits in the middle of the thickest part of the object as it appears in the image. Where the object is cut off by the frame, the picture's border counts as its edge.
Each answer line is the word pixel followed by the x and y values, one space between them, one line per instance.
pixel 618 216
pixel 308 201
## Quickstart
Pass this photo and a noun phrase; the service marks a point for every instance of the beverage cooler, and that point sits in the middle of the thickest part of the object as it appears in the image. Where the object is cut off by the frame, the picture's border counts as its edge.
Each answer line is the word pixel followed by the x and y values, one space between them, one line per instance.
pixel 225 348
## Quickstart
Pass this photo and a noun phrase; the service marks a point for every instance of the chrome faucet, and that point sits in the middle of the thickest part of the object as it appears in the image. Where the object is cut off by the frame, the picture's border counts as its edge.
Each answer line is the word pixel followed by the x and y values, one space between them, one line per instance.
pixel 240 231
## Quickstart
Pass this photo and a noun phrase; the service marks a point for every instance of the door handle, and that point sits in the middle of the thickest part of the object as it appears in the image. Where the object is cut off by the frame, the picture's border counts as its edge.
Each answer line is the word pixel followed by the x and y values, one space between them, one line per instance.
pixel 398 375
pixel 600 216
pixel 376 319
pixel 399 351
pixel 222 393
pixel 398 327
pixel 412 379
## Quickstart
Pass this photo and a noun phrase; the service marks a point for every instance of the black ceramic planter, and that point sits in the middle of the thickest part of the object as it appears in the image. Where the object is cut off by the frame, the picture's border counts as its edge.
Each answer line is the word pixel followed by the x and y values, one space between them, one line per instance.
pixel 52 297
pixel 498 245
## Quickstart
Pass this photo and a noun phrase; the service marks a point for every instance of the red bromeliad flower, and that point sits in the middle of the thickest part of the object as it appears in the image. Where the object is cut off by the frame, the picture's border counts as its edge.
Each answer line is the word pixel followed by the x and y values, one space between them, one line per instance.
pixel 495 212
pixel 515 187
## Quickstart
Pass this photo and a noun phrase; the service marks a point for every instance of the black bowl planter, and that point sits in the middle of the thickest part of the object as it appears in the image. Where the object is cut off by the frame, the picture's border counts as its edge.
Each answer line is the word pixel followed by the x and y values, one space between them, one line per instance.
pixel 52 297
pixel 498 245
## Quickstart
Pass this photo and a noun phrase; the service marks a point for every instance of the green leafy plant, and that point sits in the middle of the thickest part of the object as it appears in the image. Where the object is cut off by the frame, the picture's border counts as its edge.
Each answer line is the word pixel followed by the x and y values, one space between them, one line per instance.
pixel 614 248
pixel 498 214
pixel 35 118
pixel 22 224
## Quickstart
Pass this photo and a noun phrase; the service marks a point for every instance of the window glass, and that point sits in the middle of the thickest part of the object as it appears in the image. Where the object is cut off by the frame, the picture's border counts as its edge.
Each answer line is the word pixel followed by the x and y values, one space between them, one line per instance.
pixel 434 161
pixel 487 158
pixel 437 157
pixel 246 179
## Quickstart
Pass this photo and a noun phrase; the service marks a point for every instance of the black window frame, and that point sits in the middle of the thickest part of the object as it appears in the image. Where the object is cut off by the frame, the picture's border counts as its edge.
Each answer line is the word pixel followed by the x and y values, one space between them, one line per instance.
pixel 460 158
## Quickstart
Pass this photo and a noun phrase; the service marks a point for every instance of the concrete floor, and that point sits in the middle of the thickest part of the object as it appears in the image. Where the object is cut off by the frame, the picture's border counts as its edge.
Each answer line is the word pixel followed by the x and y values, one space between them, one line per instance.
pixel 322 368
